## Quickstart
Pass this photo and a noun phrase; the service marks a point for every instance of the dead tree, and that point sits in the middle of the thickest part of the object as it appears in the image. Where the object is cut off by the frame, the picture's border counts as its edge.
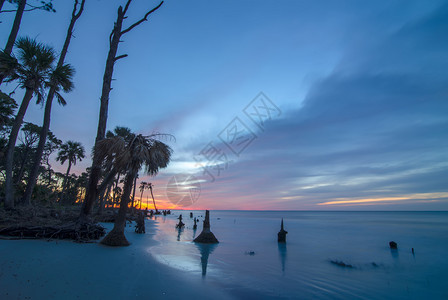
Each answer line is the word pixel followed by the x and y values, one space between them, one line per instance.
pixel 112 57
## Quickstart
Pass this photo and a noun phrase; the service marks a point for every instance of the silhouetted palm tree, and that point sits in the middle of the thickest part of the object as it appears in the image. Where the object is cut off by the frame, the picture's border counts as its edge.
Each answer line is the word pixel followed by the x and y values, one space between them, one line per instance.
pixel 142 188
pixel 31 70
pixel 152 195
pixel 129 157
pixel 71 152
pixel 59 80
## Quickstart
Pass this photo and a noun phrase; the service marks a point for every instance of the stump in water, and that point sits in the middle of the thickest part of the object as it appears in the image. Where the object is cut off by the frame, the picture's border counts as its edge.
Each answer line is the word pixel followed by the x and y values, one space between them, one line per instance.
pixel 195 226
pixel 282 234
pixel 393 245
pixel 191 215
pixel 115 238
pixel 206 236
pixel 140 226
pixel 180 224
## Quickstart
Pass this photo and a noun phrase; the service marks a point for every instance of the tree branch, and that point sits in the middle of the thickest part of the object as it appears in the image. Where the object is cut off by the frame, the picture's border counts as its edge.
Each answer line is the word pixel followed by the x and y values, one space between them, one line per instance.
pixel 126 7
pixel 142 20
pixel 120 57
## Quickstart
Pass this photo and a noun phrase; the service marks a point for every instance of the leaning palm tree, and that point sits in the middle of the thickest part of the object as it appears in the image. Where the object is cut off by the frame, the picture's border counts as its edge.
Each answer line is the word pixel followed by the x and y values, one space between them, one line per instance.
pixel 71 152
pixel 150 185
pixel 31 70
pixel 129 157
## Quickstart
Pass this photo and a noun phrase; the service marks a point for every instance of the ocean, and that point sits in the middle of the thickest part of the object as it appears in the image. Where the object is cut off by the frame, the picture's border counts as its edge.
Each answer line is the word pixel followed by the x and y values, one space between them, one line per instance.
pixel 328 255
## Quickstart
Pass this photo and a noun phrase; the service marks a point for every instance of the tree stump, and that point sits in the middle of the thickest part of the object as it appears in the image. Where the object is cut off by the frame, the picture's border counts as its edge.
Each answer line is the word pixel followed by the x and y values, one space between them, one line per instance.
pixel 206 236
pixel 282 234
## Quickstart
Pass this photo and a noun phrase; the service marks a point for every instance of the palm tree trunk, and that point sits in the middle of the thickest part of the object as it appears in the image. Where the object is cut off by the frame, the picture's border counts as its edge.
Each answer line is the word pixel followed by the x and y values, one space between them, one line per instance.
pixel 141 195
pixel 116 236
pixel 65 185
pixel 19 175
pixel 133 193
pixel 9 188
pixel 14 31
pixel 154 201
pixel 46 125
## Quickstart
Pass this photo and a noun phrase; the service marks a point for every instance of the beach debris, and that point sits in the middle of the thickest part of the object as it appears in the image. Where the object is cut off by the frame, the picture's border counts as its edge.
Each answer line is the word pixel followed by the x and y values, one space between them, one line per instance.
pixel 180 224
pixel 340 263
pixel 282 234
pixel 206 236
pixel 195 226
pixel 140 226
pixel 191 215
pixel 393 245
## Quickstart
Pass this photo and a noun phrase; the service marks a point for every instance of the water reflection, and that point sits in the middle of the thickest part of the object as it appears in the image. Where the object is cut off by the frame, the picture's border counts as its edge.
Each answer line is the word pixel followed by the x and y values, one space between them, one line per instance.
pixel 282 254
pixel 394 253
pixel 180 230
pixel 205 250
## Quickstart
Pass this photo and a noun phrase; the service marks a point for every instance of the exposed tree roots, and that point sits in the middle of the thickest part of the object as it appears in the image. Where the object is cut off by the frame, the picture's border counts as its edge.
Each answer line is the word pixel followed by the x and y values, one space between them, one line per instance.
pixel 73 231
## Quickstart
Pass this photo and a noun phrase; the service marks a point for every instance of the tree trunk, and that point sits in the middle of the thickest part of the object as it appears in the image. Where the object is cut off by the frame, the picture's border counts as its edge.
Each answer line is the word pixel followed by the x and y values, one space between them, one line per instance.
pixel 95 172
pixel 133 193
pixel 14 31
pixel 46 124
pixel 9 188
pixel 65 185
pixel 116 237
pixel 153 200
pixel 1 4
pixel 141 195
pixel 19 175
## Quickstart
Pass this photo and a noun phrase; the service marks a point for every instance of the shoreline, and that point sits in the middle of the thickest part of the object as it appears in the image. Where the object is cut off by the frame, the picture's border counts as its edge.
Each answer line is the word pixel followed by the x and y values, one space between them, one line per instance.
pixel 60 269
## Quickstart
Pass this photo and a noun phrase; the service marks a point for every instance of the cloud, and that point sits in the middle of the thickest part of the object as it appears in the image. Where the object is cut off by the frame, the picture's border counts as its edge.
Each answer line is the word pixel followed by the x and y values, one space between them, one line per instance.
pixel 376 127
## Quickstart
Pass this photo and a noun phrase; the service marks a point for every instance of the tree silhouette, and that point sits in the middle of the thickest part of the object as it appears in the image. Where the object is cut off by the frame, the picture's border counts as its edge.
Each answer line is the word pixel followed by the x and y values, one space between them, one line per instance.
pixel 32 70
pixel 71 152
pixel 60 79
pixel 114 40
pixel 130 157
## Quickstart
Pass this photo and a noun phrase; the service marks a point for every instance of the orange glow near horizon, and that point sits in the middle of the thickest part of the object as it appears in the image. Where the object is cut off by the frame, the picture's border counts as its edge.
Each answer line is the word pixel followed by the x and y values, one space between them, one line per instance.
pixel 372 201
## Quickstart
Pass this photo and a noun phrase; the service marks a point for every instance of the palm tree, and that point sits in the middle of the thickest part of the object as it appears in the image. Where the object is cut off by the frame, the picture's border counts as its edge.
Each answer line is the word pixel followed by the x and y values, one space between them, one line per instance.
pixel 60 80
pixel 71 151
pixel 152 195
pixel 32 70
pixel 142 188
pixel 129 157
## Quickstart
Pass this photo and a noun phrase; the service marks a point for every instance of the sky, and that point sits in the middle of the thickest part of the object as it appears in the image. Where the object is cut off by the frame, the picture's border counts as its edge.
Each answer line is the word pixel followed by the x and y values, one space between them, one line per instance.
pixel 274 105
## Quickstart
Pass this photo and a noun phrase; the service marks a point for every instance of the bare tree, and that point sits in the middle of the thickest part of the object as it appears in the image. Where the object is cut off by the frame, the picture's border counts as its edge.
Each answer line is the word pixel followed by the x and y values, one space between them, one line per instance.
pixel 114 40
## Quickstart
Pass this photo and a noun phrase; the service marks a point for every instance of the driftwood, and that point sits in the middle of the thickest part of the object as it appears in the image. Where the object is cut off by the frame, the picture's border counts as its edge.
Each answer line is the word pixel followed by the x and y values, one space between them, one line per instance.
pixel 72 231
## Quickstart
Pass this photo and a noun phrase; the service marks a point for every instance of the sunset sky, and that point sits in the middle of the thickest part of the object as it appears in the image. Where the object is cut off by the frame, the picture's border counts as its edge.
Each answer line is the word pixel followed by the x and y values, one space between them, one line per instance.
pixel 352 97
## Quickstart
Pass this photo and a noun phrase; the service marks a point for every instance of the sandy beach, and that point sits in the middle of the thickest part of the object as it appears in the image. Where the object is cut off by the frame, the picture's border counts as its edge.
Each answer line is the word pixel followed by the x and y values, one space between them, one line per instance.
pixel 40 269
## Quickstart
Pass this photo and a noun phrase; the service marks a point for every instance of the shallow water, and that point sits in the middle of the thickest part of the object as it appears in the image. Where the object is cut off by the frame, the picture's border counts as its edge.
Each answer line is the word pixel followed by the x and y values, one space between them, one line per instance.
pixel 248 261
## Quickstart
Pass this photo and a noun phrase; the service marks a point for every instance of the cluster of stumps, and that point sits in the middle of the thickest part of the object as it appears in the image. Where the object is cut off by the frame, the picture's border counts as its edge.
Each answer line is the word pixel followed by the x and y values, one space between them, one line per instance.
pixel 207 237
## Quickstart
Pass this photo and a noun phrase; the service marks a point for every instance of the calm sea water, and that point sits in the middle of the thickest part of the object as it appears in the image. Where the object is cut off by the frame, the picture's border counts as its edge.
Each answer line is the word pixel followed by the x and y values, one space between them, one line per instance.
pixel 249 263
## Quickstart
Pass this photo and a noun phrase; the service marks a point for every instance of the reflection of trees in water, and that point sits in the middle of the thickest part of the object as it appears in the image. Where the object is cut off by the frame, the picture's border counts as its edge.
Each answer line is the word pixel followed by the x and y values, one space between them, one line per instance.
pixel 282 254
pixel 205 250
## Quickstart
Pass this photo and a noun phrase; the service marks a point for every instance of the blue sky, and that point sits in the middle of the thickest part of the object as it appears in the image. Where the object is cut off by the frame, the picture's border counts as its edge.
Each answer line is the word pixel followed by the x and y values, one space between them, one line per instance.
pixel 361 86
